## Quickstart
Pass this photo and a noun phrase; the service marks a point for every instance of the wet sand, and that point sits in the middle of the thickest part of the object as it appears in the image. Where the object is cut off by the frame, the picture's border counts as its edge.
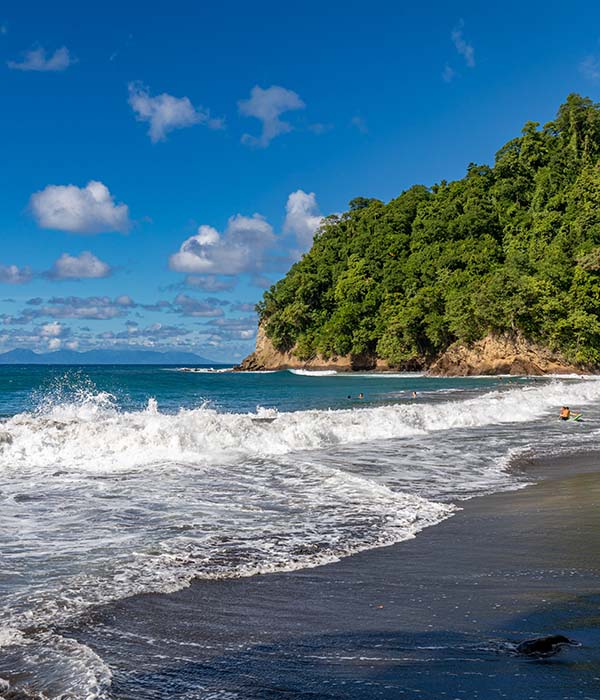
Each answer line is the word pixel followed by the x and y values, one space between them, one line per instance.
pixel 431 618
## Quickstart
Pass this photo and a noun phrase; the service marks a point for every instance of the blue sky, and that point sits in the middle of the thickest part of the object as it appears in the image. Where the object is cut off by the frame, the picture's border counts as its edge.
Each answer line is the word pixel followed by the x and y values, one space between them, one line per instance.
pixel 215 135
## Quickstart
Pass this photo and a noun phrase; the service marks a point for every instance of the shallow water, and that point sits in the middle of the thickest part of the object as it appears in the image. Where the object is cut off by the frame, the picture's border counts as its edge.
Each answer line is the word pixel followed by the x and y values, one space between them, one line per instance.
pixel 121 480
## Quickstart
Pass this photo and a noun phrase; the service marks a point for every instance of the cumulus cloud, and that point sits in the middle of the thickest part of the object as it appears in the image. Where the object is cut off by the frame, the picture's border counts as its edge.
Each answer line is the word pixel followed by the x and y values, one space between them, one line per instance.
pixel 240 248
pixel 166 113
pixel 247 246
pixel 465 49
pixel 267 106
pixel 77 267
pixel 11 274
pixel 37 60
pixel 302 217
pixel 87 210
pixel 54 333
pixel 52 330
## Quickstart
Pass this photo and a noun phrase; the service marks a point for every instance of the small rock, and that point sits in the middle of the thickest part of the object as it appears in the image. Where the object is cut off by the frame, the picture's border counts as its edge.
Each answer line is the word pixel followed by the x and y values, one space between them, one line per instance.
pixel 545 646
pixel 5 438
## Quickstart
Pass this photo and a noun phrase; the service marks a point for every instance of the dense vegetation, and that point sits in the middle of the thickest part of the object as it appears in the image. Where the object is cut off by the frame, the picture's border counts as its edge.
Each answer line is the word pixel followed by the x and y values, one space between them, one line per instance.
pixel 509 248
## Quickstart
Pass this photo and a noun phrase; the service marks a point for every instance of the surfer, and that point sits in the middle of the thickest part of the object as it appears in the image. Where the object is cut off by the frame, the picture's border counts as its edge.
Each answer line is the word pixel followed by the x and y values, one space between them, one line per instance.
pixel 565 413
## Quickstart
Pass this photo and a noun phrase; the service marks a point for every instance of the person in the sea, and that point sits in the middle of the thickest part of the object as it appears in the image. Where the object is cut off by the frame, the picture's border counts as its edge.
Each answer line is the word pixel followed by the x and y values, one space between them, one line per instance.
pixel 361 395
pixel 414 394
pixel 565 413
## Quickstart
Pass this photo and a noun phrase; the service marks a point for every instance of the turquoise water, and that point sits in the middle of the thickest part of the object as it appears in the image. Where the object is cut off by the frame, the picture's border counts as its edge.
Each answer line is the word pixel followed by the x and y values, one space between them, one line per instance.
pixel 26 387
pixel 123 480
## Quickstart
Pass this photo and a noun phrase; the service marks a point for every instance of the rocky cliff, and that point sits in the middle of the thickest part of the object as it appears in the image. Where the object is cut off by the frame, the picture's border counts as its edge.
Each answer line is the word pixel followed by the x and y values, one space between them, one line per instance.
pixel 494 354
pixel 266 357
pixel 500 354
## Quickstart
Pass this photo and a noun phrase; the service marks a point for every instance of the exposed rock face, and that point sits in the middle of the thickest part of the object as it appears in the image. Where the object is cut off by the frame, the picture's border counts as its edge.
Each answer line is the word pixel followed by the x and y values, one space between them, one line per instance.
pixel 495 354
pixel 266 357
pixel 500 354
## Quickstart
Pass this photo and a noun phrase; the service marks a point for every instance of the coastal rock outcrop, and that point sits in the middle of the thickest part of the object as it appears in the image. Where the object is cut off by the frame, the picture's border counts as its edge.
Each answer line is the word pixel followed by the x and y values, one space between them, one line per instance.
pixel 500 354
pixel 544 646
pixel 266 357
pixel 494 354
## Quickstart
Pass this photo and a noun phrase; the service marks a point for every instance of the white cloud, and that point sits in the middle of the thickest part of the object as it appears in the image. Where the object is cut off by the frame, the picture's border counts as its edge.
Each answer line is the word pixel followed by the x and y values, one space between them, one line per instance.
pixel 209 283
pixel 76 267
pixel 448 74
pixel 36 60
pixel 54 344
pixel 227 329
pixel 302 217
pixel 52 330
pixel 11 274
pixel 188 306
pixel 465 49
pixel 590 68
pixel 88 210
pixel 267 106
pixel 96 308
pixel 165 113
pixel 240 248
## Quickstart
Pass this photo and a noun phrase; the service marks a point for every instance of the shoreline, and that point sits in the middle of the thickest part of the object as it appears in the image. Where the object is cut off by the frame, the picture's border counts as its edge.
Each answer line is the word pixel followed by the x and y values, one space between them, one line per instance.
pixel 427 617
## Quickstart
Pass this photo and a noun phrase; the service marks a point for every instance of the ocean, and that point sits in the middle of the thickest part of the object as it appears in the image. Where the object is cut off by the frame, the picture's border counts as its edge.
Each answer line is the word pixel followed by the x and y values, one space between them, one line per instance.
pixel 116 481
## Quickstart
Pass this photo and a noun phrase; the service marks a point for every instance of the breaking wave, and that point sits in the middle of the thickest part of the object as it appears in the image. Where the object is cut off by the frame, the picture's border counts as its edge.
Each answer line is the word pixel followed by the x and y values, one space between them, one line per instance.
pixel 91 433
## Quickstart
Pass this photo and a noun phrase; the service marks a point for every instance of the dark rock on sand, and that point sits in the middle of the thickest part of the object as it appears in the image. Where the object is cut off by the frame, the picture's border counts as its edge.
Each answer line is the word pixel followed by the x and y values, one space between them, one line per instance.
pixel 544 646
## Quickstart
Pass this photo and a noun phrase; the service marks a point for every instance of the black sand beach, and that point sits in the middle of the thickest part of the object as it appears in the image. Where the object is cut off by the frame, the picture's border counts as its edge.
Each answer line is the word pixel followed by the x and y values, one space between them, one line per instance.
pixel 430 618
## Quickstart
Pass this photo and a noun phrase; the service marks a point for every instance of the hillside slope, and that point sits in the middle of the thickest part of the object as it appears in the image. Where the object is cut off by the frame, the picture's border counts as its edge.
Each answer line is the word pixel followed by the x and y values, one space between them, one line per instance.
pixel 511 250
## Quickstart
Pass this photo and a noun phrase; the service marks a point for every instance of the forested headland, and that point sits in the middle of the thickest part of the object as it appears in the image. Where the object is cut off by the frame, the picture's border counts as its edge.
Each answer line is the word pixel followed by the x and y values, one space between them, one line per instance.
pixel 510 249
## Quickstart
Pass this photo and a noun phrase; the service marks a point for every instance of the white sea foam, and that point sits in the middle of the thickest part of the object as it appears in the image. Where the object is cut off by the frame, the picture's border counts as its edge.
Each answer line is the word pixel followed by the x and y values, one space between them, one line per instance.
pixel 92 434
pixel 105 503
pixel 313 372
pixel 45 660
pixel 205 370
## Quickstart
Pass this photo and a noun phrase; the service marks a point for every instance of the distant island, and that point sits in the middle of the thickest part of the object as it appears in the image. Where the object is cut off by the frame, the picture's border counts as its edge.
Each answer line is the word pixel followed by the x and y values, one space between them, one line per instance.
pixel 21 356
pixel 496 272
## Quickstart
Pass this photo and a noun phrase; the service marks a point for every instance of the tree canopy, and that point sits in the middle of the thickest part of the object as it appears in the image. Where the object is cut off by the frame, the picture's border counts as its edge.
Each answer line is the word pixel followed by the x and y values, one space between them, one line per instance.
pixel 509 248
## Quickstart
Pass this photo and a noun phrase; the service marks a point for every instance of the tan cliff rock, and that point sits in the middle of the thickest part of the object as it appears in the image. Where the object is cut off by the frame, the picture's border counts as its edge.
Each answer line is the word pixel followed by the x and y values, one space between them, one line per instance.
pixel 266 357
pixel 494 354
pixel 500 354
